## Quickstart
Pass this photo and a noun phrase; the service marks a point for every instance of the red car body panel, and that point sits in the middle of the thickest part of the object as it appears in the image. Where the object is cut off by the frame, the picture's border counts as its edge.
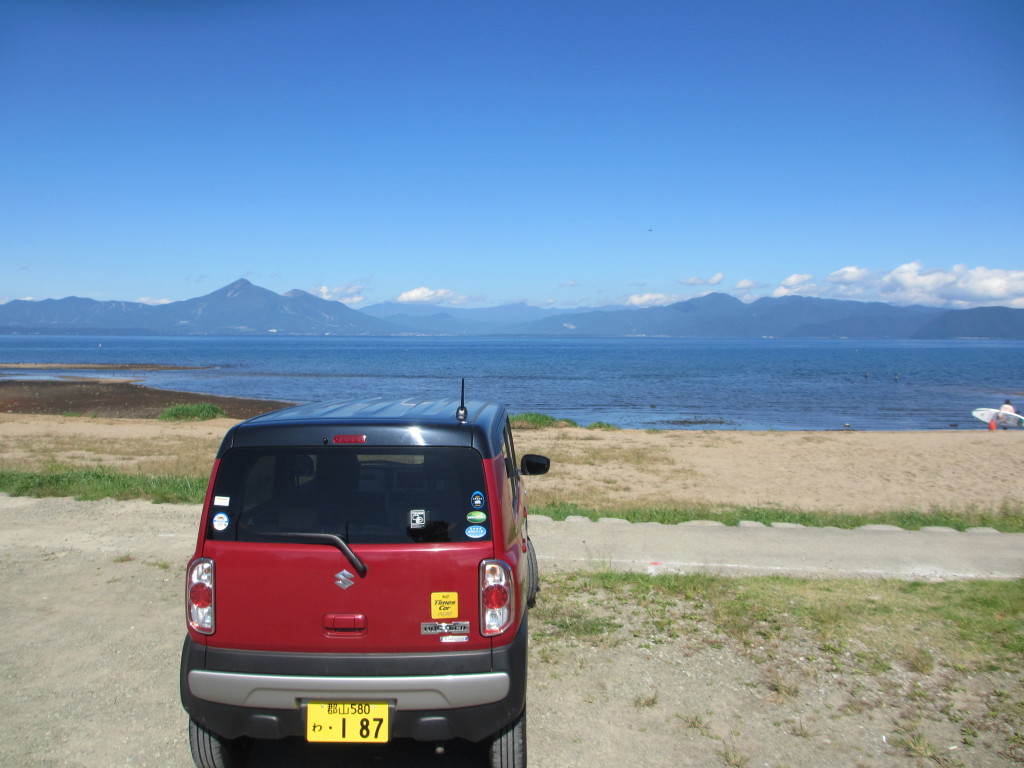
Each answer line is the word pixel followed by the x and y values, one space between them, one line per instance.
pixel 279 596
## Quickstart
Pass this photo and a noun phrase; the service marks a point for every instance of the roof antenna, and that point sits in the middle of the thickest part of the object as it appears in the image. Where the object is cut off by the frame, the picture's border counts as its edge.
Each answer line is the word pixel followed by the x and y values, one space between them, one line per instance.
pixel 460 412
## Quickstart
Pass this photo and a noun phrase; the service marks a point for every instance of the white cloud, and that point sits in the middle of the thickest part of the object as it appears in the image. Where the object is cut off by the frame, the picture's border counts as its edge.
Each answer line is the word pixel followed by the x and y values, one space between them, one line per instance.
pixel 794 281
pixel 907 284
pixel 153 302
pixel 746 290
pixel 850 282
pixel 959 287
pixel 796 285
pixel 713 280
pixel 424 295
pixel 570 284
pixel 848 275
pixel 349 293
pixel 651 300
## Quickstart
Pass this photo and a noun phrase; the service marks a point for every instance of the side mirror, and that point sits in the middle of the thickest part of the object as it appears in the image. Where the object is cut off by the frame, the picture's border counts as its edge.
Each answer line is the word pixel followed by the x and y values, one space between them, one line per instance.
pixel 532 464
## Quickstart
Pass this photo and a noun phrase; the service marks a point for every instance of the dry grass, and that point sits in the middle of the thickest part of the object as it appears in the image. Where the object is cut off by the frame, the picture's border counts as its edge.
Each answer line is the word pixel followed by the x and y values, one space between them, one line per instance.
pixel 932 670
pixel 157 456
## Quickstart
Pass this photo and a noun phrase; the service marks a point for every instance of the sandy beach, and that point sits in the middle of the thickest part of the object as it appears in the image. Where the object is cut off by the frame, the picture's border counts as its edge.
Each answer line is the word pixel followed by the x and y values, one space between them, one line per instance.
pixel 846 471
pixel 857 472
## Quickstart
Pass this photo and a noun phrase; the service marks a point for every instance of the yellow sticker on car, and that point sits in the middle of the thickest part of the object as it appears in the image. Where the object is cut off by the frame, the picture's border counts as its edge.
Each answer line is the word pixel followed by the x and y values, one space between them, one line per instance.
pixel 444 605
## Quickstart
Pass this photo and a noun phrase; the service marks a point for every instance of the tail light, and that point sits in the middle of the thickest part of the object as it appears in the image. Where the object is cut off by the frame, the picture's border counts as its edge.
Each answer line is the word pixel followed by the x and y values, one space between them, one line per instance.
pixel 199 596
pixel 497 604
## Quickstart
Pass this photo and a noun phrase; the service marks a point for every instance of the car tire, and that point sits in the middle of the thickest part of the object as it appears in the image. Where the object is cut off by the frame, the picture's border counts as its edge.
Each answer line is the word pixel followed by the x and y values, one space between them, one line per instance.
pixel 212 751
pixel 532 575
pixel 508 749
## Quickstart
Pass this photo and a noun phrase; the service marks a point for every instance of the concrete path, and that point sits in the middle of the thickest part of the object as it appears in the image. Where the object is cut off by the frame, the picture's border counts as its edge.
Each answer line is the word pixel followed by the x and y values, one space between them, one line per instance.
pixel 168 532
pixel 934 554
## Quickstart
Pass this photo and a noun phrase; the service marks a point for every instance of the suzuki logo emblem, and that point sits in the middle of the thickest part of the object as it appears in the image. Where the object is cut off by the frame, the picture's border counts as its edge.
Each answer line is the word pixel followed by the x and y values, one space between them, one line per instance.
pixel 344 579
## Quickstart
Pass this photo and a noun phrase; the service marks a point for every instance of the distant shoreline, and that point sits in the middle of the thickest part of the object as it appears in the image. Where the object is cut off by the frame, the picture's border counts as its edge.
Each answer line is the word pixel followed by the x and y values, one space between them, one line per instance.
pixel 101 367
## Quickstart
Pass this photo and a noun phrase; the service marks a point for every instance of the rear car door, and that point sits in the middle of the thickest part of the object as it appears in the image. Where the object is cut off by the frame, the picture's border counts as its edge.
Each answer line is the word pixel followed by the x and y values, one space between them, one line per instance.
pixel 290 528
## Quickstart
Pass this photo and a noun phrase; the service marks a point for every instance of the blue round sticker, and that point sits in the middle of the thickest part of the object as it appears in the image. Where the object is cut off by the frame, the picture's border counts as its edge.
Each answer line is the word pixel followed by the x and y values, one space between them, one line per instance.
pixel 476 531
pixel 477 500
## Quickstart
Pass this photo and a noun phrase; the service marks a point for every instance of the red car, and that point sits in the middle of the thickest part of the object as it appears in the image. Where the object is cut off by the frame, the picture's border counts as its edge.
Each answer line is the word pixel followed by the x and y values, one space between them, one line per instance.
pixel 362 574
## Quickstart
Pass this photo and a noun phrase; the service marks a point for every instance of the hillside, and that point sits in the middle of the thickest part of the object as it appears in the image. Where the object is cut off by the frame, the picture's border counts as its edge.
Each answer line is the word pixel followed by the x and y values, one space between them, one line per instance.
pixel 242 308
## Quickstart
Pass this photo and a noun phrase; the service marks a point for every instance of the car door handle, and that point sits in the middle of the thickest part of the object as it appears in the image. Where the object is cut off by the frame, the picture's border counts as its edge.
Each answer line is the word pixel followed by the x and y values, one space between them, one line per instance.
pixel 345 622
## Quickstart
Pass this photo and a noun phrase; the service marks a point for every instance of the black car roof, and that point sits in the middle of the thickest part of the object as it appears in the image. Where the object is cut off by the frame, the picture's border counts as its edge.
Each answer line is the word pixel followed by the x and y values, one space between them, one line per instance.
pixel 409 422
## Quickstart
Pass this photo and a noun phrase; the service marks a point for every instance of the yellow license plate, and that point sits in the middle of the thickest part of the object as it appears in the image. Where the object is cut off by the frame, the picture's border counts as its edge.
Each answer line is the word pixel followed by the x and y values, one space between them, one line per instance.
pixel 359 721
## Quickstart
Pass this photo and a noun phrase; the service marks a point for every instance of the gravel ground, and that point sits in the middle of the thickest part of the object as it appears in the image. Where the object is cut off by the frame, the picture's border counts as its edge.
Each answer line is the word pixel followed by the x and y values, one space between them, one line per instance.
pixel 93 629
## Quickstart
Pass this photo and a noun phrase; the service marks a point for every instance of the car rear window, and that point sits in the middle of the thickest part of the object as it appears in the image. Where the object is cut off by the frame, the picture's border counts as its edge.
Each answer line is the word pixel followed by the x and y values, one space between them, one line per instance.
pixel 364 495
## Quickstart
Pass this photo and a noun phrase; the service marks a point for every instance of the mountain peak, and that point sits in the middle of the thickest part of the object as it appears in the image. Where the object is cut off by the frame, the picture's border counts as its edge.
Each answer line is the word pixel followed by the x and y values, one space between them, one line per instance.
pixel 241 285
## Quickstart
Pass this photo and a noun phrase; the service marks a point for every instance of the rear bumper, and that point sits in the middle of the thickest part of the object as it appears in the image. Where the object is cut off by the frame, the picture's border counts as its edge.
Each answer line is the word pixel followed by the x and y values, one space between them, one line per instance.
pixel 433 697
pixel 285 692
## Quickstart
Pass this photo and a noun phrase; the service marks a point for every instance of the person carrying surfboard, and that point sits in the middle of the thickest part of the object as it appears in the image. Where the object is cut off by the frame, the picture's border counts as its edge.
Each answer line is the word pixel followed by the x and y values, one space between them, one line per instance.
pixel 999 420
pixel 1006 416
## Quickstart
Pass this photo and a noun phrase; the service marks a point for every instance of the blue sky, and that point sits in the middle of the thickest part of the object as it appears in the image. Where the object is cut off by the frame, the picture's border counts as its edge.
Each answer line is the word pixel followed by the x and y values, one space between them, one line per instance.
pixel 475 153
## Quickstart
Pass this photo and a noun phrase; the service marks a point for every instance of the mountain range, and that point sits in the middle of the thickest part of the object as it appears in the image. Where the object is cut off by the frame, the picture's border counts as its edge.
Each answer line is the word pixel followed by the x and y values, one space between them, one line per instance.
pixel 247 309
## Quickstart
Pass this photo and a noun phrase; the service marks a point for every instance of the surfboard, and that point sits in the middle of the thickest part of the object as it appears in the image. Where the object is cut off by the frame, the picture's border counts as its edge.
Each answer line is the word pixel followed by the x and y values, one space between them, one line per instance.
pixel 1002 418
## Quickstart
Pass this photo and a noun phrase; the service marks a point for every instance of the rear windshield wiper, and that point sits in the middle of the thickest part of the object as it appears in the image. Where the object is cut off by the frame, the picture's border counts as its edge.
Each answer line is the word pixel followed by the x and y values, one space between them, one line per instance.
pixel 323 538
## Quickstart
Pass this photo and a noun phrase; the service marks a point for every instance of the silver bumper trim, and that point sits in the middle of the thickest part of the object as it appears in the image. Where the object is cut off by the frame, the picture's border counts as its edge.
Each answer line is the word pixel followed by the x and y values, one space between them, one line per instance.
pixel 408 693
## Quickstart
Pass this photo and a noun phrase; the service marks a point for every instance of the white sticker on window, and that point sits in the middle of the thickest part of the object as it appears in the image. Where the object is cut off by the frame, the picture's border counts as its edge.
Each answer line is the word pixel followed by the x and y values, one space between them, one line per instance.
pixel 222 501
pixel 220 521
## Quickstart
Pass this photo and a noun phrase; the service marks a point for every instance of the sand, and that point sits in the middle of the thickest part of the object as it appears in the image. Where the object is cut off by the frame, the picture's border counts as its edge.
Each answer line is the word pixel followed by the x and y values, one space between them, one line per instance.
pixel 856 472
pixel 840 471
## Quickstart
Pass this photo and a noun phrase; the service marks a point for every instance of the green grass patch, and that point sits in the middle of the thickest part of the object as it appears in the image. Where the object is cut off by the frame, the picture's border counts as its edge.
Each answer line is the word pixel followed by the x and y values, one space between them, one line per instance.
pixel 577 621
pixel 990 614
pixel 93 484
pixel 533 420
pixel 1008 519
pixel 919 626
pixel 193 412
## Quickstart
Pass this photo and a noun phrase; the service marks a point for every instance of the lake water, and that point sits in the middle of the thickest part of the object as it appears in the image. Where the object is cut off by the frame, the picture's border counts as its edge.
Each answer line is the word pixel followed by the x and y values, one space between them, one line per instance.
pixel 634 383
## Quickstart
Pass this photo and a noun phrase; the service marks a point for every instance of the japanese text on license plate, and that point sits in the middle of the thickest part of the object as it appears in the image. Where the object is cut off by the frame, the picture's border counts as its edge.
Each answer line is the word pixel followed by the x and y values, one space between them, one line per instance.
pixel 360 721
